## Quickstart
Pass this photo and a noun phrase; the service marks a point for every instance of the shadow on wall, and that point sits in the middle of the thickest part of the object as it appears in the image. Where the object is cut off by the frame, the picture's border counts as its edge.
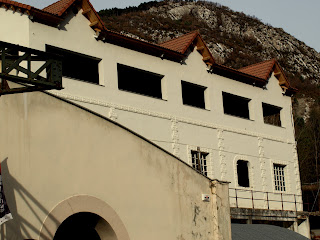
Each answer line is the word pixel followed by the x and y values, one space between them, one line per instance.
pixel 18 226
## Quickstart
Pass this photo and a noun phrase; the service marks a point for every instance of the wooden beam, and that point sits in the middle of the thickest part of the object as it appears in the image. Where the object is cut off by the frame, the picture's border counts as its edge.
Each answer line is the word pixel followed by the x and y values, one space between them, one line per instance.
pixel 277 74
pixel 94 23
pixel 283 81
pixel 200 48
pixel 86 11
pixel 206 58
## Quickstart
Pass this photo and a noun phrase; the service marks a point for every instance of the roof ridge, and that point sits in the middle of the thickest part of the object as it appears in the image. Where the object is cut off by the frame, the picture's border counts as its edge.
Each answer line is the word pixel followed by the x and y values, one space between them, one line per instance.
pixel 66 3
pixel 258 63
pixel 189 33
pixel 141 40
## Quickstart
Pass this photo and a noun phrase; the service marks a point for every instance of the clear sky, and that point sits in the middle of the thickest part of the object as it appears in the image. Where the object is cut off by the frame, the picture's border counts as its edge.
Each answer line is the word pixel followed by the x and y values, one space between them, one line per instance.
pixel 300 18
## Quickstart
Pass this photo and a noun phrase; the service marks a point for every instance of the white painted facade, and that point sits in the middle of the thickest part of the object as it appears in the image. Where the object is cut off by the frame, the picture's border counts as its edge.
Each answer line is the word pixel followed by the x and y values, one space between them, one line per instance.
pixel 167 122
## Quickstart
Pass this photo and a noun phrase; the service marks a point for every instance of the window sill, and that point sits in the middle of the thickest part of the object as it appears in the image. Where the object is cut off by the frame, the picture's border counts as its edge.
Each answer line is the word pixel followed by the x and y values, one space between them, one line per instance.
pixel 238 117
pixel 269 124
pixel 196 107
pixel 244 188
pixel 140 94
pixel 76 79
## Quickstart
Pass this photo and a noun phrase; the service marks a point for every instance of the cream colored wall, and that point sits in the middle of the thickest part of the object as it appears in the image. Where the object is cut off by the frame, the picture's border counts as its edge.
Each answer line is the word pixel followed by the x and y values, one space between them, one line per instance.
pixel 51 150
pixel 174 126
pixel 14 27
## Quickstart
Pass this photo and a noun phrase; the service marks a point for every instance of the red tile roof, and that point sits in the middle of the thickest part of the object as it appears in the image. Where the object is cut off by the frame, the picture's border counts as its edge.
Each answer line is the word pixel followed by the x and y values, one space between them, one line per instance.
pixel 260 70
pixel 182 43
pixel 16 4
pixel 58 8
pixel 173 49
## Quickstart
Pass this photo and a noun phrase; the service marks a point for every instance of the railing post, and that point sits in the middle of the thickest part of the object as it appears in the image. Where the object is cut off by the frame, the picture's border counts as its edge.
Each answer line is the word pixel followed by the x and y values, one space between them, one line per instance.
pixel 268 200
pixel 236 197
pixel 295 202
pixel 282 201
pixel 252 199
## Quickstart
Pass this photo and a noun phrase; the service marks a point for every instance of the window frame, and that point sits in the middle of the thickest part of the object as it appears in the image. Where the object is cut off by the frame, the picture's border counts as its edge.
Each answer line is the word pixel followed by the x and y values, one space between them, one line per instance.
pixel 58 51
pixel 203 158
pixel 274 107
pixel 277 186
pixel 224 104
pixel 248 173
pixel 183 93
pixel 160 76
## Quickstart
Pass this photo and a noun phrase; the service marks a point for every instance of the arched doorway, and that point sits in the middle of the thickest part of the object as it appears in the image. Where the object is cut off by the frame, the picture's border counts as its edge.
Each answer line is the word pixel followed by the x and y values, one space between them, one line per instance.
pixel 79 226
pixel 83 217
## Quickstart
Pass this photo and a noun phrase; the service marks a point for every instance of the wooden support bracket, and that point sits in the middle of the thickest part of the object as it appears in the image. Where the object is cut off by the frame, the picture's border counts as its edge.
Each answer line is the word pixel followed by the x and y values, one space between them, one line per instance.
pixel 282 82
pixel 201 48
pixel 85 12
pixel 277 74
pixel 206 58
pixel 94 23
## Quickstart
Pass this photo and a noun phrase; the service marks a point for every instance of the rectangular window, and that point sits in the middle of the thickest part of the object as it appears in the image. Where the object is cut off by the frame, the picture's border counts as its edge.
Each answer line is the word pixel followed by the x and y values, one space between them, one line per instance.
pixel 271 114
pixel 243 173
pixel 193 94
pixel 279 181
pixel 139 81
pixel 199 161
pixel 235 105
pixel 76 65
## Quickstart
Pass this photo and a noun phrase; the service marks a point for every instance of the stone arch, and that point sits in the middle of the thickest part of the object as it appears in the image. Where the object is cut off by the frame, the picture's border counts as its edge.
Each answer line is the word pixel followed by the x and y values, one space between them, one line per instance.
pixel 84 203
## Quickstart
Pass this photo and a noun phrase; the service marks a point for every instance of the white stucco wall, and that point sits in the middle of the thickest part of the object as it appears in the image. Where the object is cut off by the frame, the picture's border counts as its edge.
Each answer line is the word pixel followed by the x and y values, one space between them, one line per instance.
pixel 51 150
pixel 14 27
pixel 174 126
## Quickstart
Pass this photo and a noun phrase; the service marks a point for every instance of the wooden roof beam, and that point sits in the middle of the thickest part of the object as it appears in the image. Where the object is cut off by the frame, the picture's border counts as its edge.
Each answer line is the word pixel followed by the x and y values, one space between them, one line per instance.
pixel 94 23
pixel 277 74
pixel 86 11
pixel 206 58
pixel 200 48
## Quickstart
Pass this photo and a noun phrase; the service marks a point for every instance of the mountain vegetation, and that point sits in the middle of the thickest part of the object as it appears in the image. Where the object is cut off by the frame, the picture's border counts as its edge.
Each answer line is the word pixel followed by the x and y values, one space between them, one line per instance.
pixel 237 40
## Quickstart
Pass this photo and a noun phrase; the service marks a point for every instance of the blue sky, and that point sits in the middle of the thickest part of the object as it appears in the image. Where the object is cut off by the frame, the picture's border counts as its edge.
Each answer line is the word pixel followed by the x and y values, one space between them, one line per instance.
pixel 299 18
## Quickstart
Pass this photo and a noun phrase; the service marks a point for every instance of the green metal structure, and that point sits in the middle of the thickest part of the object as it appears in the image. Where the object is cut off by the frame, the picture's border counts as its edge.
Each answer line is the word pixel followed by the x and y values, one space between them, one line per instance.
pixel 32 69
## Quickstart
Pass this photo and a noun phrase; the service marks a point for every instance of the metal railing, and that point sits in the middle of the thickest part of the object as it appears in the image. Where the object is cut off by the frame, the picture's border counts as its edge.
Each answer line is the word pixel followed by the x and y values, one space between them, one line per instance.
pixel 264 200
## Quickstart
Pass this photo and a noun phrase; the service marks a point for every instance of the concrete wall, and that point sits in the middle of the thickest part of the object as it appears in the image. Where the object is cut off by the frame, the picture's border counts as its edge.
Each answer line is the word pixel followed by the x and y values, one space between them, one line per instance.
pixel 58 159
pixel 179 128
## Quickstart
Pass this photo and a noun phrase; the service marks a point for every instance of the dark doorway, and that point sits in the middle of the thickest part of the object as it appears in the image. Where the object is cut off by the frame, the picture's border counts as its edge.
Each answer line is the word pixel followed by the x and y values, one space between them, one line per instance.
pixel 243 173
pixel 80 226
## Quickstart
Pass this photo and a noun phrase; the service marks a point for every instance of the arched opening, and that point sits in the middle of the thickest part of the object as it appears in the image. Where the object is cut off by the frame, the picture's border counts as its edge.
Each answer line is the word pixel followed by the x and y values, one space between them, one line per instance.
pixel 83 226
pixel 243 173
pixel 83 212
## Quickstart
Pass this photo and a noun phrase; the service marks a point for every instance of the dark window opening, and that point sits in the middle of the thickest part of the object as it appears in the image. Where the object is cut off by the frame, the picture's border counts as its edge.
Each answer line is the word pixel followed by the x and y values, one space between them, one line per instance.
pixel 235 105
pixel 139 81
pixel 78 226
pixel 193 94
pixel 243 173
pixel 199 161
pixel 77 66
pixel 271 114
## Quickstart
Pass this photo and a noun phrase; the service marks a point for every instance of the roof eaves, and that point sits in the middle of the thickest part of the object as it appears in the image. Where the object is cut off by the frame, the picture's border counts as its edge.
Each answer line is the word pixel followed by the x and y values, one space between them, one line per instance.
pixel 238 75
pixel 139 45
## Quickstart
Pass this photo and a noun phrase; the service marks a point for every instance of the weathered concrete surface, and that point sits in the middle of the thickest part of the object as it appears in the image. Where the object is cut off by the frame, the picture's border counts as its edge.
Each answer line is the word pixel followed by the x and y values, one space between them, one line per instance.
pixel 58 159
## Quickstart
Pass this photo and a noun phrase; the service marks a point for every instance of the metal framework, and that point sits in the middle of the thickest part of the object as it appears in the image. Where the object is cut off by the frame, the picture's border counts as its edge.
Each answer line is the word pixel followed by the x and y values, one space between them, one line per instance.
pixel 27 67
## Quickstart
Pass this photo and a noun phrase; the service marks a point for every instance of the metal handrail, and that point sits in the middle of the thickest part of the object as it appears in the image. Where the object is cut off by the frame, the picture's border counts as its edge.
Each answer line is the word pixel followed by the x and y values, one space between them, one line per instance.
pixel 267 199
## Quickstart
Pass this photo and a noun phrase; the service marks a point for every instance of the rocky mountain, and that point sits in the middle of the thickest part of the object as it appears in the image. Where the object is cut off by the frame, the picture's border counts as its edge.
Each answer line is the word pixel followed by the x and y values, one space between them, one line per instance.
pixel 235 40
